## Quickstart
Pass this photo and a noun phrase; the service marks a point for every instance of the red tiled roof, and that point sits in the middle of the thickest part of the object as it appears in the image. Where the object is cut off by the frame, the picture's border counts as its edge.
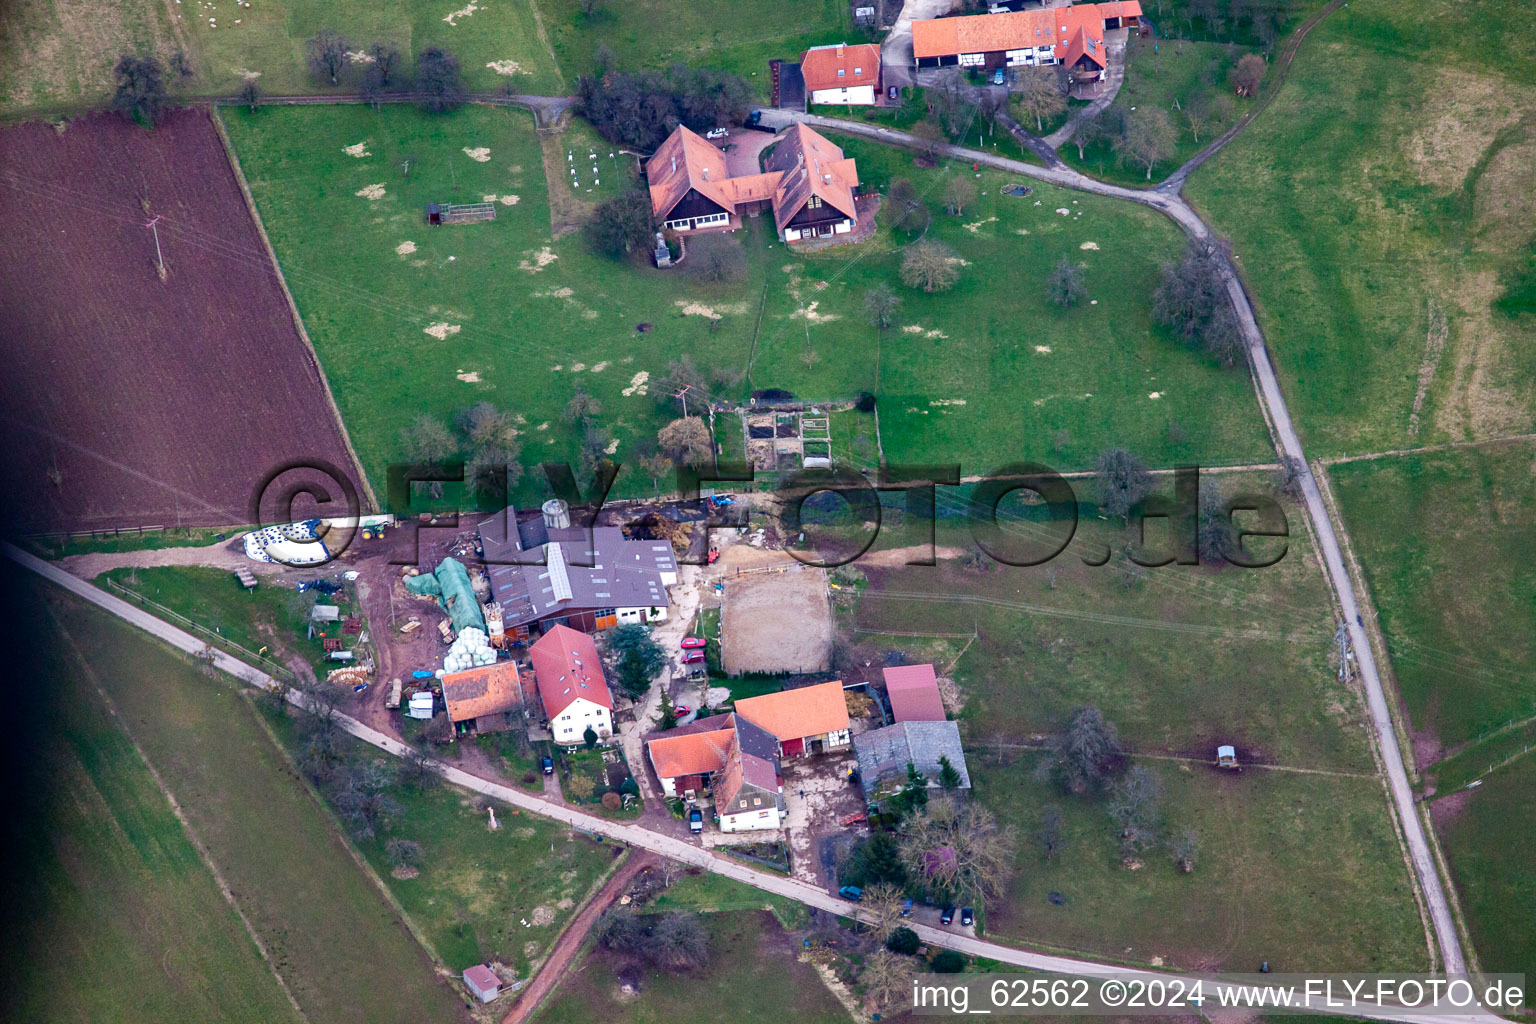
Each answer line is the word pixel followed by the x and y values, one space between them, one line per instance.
pixel 811 165
pixel 859 64
pixel 693 753
pixel 914 694
pixel 803 164
pixel 566 667
pixel 482 691
pixel 796 714
pixel 1016 30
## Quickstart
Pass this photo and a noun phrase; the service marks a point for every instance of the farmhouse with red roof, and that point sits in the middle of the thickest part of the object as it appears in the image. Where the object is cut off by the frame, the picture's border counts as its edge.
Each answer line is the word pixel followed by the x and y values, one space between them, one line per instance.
pixel 840 73
pixel 808 185
pixel 571 686
pixel 1070 36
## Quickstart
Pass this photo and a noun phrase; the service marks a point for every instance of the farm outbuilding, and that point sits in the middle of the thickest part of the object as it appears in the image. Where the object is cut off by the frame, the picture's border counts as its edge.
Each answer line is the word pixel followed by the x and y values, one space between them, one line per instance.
pixel 460 213
pixel 483 982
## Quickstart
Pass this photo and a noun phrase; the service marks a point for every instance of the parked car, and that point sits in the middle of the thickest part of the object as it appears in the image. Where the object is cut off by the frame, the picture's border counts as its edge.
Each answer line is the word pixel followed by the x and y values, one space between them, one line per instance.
pixel 721 500
pixel 893 93
pixel 948 915
pixel 693 657
pixel 754 121
pixel 851 892
pixel 695 821
pixel 967 917
pixel 999 77
pixel 681 710
pixel 906 907
pixel 690 642
pixel 716 133
pixel 548 765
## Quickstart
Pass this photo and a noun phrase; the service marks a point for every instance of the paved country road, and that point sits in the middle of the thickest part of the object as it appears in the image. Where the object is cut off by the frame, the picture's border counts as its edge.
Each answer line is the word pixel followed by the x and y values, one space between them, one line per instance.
pixel 667 846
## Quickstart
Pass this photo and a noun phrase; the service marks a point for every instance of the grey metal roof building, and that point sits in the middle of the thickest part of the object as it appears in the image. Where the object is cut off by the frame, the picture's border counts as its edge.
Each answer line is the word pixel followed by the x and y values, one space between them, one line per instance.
pixel 884 753
pixel 577 570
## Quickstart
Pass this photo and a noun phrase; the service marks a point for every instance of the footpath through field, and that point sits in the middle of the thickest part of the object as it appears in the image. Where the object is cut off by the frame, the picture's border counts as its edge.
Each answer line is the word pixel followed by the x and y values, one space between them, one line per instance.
pixel 634 835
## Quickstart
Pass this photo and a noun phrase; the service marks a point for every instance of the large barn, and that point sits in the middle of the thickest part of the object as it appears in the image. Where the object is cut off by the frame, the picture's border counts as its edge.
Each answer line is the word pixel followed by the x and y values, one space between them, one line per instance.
pixel 808 185
pixel 1070 36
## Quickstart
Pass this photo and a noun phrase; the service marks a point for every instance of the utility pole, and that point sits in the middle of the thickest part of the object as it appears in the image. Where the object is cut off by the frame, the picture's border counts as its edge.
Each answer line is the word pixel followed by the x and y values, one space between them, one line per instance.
pixel 682 393
pixel 159 260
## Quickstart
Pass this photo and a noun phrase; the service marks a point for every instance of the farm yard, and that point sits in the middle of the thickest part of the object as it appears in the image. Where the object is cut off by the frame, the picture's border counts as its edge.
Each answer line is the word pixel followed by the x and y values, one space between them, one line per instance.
pixel 1378 209
pixel 410 319
pixel 143 402
pixel 776 621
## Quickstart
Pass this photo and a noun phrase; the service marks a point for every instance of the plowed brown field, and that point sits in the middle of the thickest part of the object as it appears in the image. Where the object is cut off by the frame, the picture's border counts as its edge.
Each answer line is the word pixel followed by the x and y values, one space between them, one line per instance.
pixel 126 400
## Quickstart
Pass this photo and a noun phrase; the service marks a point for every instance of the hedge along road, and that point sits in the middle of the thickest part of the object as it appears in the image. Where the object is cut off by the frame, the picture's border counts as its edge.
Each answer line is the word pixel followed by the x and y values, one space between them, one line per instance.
pixel 634 835
pixel 1169 202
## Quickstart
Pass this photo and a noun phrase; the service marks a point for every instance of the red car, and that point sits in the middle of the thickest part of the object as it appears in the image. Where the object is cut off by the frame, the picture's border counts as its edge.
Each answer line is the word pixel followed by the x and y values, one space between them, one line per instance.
pixel 693 657
pixel 693 642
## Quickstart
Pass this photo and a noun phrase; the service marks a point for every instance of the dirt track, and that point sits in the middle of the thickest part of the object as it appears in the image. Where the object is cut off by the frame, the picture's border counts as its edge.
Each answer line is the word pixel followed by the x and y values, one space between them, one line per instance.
pixel 570 941
pixel 131 400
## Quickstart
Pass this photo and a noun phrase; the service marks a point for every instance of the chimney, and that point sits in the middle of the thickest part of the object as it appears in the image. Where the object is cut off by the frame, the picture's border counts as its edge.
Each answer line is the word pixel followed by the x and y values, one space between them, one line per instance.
pixel 557 514
pixel 839 51
pixel 706 173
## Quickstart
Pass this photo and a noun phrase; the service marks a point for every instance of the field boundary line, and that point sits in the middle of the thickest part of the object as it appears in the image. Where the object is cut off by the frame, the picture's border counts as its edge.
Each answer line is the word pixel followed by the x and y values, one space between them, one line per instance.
pixel 186 826
pixel 293 307
pixel 1340 460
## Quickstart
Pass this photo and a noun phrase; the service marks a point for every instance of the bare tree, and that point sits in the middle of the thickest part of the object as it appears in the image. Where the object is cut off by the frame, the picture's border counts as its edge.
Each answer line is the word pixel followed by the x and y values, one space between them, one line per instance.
pixel 1039 96
pixel 881 303
pixel 483 424
pixel 385 61
pixel 207 660
pixel 1084 755
pixel 929 138
pixel 887 977
pixel 1135 806
pixel 1050 831
pixel 328 54
pixel 439 83
pixel 1148 138
pixel 686 441
pixel 1248 74
pixel 951 105
pixel 1215 535
pixel 959 192
pixel 140 94
pixel 931 266
pixel 907 211
pixel 1123 481
pixel 883 902
pixel 1185 847
pixel 250 94
pixel 403 853
pixel 1066 284
pixel 957 850
pixel 1288 476
pixel 679 941
pixel 427 440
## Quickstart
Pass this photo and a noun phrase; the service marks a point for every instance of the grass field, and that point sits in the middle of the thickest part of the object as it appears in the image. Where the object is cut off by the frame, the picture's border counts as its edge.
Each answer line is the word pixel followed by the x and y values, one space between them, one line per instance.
pixel 1262 888
pixel 723 34
pixel 752 975
pixel 477 887
pixel 336 942
pixel 253 619
pixel 112 914
pixel 988 373
pixel 1437 536
pixel 1180 660
pixel 1376 207
pixel 56 55
pixel 1486 835
pixel 1161 73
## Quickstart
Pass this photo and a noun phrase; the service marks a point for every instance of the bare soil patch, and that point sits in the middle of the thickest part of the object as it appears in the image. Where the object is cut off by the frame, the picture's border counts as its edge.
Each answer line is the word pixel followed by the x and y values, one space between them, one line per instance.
pixel 136 401
pixel 776 622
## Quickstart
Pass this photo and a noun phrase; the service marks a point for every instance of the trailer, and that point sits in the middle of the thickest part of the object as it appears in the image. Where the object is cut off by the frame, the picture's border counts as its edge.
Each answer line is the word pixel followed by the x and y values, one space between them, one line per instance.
pixel 395 686
pixel 1226 756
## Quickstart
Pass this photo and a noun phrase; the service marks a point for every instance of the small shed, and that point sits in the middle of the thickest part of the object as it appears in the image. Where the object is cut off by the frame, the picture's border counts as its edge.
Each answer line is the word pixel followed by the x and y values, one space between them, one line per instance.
pixel 483 982
pixel 394 693
pixel 1226 756
pixel 423 705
